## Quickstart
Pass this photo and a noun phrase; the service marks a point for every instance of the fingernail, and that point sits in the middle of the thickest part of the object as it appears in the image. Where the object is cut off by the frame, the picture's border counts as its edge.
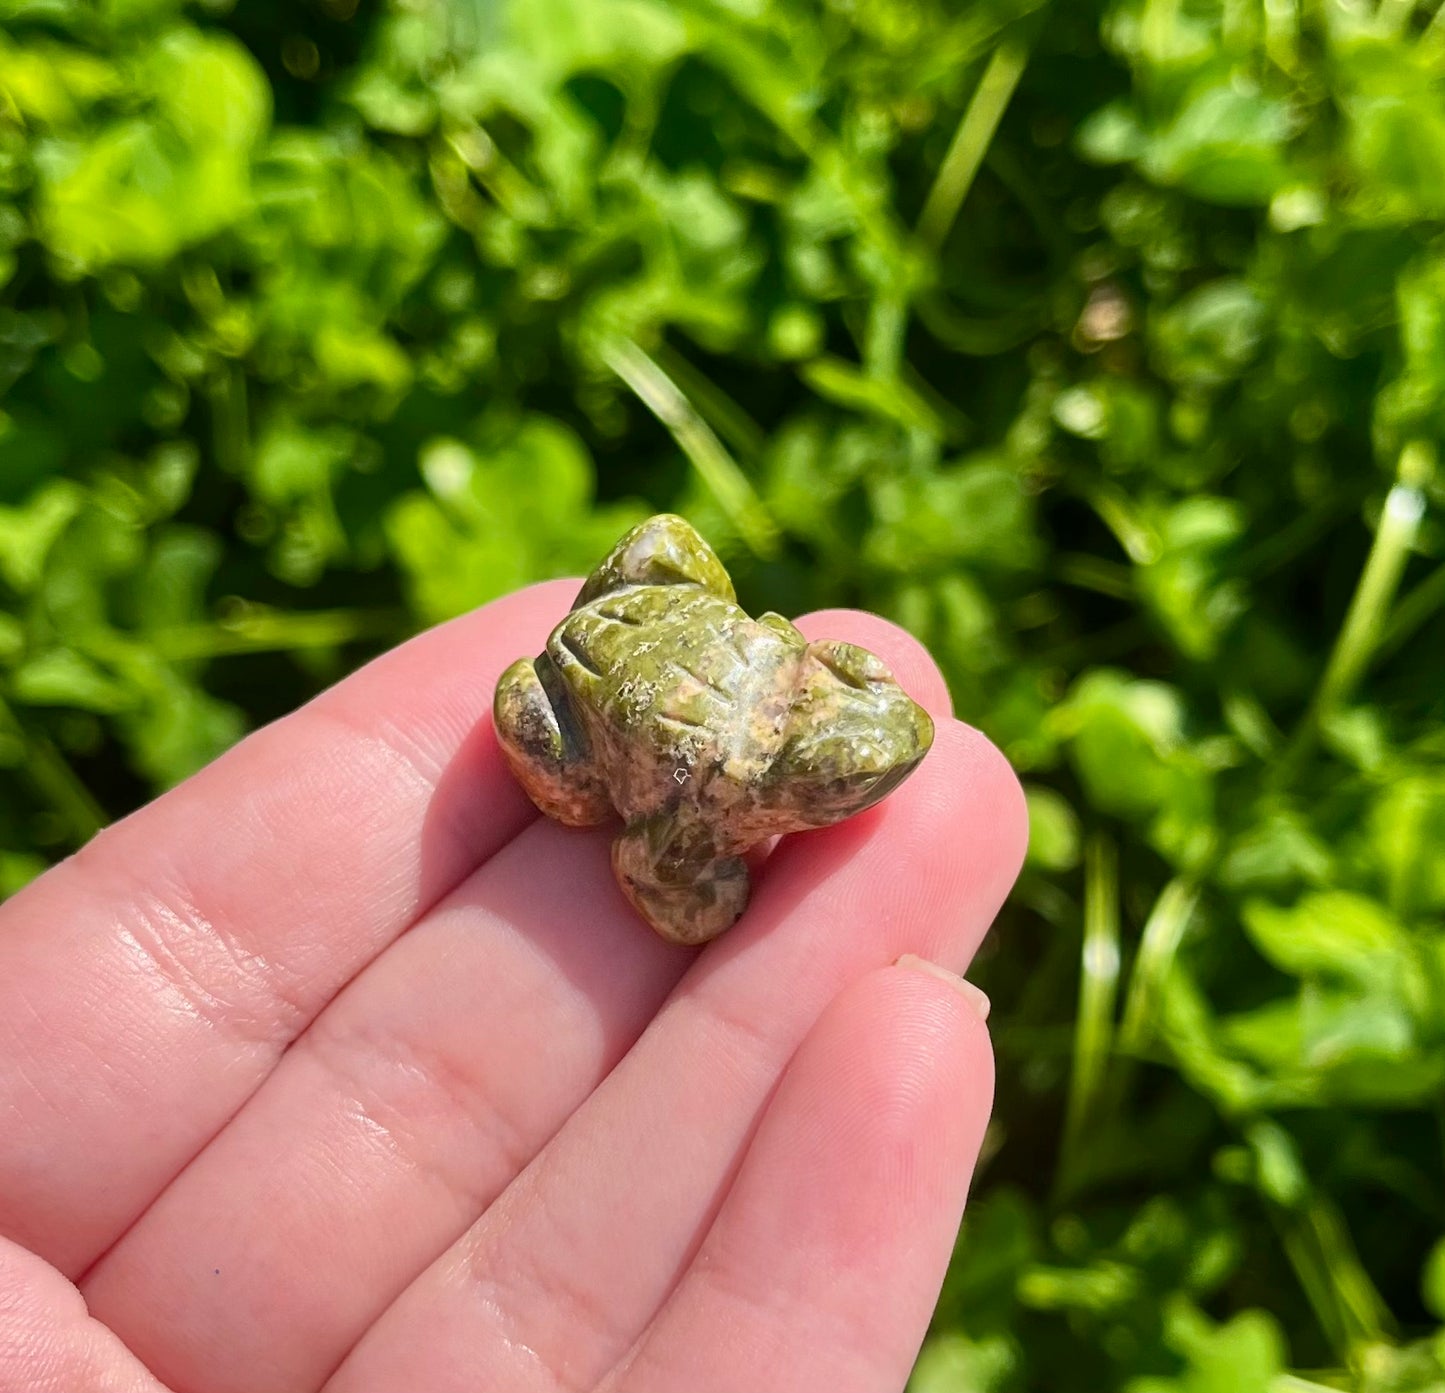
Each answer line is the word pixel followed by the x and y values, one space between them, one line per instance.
pixel 977 1000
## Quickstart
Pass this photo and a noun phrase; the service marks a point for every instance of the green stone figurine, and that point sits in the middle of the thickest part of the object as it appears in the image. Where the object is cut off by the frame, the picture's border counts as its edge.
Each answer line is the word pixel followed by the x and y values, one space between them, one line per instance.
pixel 706 731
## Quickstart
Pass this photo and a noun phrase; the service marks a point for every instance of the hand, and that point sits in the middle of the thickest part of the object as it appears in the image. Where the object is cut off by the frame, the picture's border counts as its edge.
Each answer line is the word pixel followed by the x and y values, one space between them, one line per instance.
pixel 337 1067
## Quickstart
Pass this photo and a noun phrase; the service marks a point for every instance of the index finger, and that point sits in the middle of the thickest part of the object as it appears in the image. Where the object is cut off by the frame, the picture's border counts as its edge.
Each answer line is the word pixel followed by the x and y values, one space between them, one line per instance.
pixel 149 984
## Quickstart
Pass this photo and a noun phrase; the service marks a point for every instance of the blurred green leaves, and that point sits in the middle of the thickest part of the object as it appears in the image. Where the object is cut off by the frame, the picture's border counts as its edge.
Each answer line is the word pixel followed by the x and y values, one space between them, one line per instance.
pixel 173 170
pixel 1245 1355
pixel 516 508
pixel 1100 345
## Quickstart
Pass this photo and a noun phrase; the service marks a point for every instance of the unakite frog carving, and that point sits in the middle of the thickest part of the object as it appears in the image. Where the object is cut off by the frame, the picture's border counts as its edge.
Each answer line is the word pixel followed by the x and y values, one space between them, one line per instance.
pixel 705 730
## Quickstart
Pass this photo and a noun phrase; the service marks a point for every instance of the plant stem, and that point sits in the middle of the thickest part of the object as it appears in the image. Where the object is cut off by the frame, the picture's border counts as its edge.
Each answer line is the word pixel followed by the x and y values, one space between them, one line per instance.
pixel 1163 932
pixel 1350 1310
pixel 1094 573
pixel 1415 609
pixel 726 416
pixel 275 631
pixel 1364 623
pixel 1121 515
pixel 971 141
pixel 887 326
pixel 1098 988
pixel 980 337
pixel 62 789
pixel 718 470
pixel 1399 523
pixel 230 415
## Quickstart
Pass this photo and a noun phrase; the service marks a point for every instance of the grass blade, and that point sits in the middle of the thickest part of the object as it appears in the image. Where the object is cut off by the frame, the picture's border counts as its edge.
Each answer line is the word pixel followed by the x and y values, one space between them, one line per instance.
pixel 971 141
pixel 1163 932
pixel 1365 620
pixel 718 470
pixel 1098 990
pixel 58 785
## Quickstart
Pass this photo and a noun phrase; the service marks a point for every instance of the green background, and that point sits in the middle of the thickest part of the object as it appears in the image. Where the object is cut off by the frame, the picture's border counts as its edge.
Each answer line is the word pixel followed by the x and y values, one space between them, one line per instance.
pixel 1100 344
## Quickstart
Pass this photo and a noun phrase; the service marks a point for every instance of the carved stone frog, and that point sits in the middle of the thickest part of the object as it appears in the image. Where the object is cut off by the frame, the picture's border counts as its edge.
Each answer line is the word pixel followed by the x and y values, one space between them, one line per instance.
pixel 705 730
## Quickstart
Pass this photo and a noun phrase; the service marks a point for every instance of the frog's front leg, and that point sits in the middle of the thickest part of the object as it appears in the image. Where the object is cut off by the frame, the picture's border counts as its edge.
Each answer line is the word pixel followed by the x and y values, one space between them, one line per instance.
pixel 546 748
pixel 664 550
pixel 687 894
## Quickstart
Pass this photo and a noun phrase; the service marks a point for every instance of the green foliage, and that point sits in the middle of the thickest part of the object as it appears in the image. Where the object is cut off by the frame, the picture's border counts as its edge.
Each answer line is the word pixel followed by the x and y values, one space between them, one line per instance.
pixel 1102 345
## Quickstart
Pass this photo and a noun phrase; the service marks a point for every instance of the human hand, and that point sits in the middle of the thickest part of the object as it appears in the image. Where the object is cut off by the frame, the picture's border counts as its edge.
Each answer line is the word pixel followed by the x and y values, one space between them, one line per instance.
pixel 338 1068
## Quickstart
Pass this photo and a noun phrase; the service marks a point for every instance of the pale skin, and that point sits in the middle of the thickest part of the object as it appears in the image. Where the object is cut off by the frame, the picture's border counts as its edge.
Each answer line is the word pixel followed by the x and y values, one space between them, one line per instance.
pixel 340 1068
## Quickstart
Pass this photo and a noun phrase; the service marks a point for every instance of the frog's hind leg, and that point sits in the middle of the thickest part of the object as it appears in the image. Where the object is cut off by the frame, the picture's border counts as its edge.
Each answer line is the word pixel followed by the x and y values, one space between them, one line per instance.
pixel 686 900
pixel 664 550
pixel 546 750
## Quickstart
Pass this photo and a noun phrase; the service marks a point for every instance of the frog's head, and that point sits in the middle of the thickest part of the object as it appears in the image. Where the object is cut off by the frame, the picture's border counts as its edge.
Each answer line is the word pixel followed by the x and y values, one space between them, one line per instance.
pixel 852 736
pixel 664 550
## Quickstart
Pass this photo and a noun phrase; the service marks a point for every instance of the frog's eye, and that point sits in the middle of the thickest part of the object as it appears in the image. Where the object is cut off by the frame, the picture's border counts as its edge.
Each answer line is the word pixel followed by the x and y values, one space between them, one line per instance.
pixel 620 613
pixel 570 646
pixel 875 787
pixel 853 667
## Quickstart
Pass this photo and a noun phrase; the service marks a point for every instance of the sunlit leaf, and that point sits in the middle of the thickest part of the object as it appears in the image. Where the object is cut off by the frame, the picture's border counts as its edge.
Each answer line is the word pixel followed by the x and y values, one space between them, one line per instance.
pixel 148 185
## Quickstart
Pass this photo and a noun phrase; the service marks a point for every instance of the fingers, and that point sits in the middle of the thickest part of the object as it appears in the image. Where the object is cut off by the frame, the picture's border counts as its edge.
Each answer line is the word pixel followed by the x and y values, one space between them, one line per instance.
pixel 410 1104
pixel 150 983
pixel 48 1341
pixel 550 1288
pixel 390 1125
pixel 821 1272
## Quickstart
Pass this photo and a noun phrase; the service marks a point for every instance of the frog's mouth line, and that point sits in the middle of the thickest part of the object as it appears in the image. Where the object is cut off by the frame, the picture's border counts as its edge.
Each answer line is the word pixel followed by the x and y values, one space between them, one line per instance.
pixel 888 782
pixel 574 737
pixel 579 654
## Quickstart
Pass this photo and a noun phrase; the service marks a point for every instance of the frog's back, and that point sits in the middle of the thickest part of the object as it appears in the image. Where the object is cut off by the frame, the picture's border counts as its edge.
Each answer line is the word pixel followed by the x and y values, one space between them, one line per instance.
pixel 683 695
